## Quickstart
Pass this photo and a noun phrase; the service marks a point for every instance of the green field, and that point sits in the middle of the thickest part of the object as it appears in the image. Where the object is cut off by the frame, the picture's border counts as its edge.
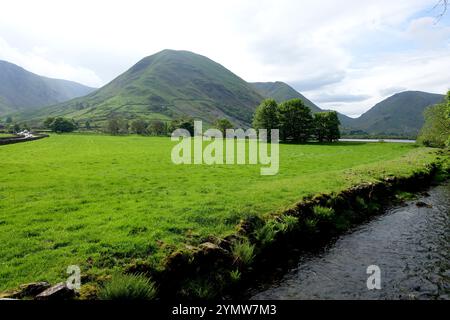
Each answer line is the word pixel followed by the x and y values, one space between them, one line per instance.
pixel 6 135
pixel 102 201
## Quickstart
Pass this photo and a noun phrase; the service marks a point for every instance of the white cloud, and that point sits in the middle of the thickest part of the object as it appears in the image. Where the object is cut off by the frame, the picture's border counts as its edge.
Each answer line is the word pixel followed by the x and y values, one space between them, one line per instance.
pixel 36 61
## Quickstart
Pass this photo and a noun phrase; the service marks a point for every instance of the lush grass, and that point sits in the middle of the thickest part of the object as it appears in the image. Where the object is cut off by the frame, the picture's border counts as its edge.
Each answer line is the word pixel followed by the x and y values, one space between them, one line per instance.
pixel 101 201
pixel 128 287
pixel 6 135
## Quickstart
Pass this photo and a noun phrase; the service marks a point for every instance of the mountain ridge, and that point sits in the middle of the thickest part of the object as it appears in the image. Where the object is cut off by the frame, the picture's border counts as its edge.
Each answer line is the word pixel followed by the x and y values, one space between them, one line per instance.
pixel 167 85
pixel 400 114
pixel 281 91
pixel 21 89
pixel 172 84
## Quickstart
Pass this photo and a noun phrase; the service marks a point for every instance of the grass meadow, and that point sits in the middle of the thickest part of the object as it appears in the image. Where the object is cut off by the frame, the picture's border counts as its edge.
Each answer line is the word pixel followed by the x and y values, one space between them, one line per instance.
pixel 102 202
pixel 6 135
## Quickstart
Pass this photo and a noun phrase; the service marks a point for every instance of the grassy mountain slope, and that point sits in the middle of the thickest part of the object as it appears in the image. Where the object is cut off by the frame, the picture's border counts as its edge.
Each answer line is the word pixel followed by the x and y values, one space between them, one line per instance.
pixel 401 114
pixel 167 85
pixel 280 92
pixel 23 90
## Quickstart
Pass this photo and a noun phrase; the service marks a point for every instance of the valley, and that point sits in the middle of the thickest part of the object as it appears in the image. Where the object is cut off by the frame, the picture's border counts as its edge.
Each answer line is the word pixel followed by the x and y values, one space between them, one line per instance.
pixel 107 203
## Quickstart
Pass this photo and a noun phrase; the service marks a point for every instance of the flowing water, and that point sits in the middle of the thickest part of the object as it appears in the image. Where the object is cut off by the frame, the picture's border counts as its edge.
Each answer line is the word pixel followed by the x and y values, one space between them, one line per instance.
pixel 410 245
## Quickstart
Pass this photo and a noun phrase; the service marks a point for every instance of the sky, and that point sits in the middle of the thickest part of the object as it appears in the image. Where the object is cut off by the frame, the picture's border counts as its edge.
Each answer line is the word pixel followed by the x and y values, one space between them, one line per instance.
pixel 344 55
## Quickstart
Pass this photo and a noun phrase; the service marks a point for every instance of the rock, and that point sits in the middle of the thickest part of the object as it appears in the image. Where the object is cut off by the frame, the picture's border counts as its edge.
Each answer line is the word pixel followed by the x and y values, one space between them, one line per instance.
pixel 209 246
pixel 421 204
pixel 57 292
pixel 26 290
pixel 33 289
pixel 9 295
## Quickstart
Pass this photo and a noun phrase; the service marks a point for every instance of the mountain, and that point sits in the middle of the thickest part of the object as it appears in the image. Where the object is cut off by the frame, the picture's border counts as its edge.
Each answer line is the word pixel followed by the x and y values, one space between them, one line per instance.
pixel 280 91
pixel 166 85
pixel 23 90
pixel 398 115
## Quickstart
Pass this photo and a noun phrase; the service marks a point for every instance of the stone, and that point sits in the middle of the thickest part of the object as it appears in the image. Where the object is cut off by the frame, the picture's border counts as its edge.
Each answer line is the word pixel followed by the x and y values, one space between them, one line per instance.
pixel 9 295
pixel 33 289
pixel 26 290
pixel 57 292
pixel 209 246
pixel 421 204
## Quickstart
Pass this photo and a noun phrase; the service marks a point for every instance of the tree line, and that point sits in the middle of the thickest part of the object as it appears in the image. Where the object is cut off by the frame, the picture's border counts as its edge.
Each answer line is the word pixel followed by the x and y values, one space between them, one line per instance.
pixel 292 118
pixel 296 121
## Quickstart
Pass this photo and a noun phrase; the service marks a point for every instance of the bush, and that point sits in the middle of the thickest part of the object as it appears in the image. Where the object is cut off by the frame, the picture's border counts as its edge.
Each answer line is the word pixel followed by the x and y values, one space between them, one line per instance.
pixel 128 287
pixel 243 252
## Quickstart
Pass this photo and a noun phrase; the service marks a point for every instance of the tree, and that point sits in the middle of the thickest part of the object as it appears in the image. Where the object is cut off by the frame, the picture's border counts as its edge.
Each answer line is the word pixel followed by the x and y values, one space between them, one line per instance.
pixel 183 123
pixel 333 132
pixel 60 125
pixel 223 125
pixel 25 126
pixel 267 116
pixel 448 104
pixel 436 130
pixel 9 120
pixel 48 122
pixel 326 126
pixel 124 126
pixel 296 121
pixel 157 128
pixel 139 126
pixel 113 126
pixel 15 128
pixel 444 5
pixel 117 126
pixel 87 125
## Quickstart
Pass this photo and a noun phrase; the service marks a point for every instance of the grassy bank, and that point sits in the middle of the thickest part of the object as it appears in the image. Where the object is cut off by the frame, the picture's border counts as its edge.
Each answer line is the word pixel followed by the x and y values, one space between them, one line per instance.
pixel 106 203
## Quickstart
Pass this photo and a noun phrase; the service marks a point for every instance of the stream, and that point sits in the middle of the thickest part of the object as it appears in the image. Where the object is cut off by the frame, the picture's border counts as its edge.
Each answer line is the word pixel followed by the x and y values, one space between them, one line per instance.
pixel 409 244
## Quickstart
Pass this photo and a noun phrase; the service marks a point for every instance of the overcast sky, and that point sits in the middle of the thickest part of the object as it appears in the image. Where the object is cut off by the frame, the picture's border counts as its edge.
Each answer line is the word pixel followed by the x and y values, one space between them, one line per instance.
pixel 344 55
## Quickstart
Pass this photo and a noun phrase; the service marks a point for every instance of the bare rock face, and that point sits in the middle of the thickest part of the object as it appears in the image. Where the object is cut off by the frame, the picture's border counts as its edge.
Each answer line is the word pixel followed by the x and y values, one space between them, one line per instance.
pixel 57 292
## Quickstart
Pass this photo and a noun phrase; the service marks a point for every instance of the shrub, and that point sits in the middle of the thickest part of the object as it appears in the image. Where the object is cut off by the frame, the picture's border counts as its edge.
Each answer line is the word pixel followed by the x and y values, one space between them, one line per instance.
pixel 361 203
pixel 128 287
pixel 288 223
pixel 235 275
pixel 243 252
pixel 323 212
pixel 266 234
pixel 199 289
pixel 311 223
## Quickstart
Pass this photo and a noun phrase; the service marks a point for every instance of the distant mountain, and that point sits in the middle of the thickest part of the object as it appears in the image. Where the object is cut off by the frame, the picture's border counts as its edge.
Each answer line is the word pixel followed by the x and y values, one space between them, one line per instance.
pixel 401 114
pixel 166 85
pixel 23 90
pixel 280 92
